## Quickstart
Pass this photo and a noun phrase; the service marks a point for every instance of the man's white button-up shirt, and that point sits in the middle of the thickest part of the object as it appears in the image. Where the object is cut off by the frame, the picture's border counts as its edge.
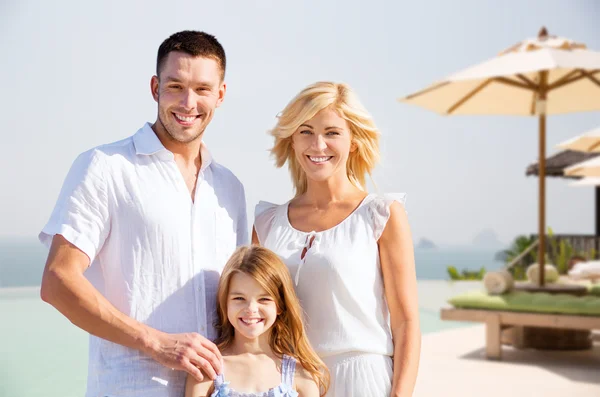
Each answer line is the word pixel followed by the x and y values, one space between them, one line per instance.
pixel 155 254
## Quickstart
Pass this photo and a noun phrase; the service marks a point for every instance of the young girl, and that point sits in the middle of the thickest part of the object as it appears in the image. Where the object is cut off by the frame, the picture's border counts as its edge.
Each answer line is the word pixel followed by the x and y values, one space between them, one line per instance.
pixel 261 334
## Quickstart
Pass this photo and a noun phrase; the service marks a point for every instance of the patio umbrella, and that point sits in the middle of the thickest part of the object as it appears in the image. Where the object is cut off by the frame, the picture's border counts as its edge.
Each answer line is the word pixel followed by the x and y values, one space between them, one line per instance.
pixel 536 77
pixel 587 168
pixel 556 165
pixel 591 181
pixel 588 142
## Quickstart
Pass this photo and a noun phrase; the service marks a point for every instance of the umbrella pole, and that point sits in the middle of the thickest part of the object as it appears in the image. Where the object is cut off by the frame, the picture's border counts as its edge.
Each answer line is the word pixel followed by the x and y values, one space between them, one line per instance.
pixel 541 111
pixel 597 244
pixel 542 199
pixel 597 197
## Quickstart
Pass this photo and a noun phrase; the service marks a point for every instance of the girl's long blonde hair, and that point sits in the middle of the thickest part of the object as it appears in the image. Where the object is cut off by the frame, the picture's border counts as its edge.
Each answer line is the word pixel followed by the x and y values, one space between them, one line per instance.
pixel 287 333
pixel 309 102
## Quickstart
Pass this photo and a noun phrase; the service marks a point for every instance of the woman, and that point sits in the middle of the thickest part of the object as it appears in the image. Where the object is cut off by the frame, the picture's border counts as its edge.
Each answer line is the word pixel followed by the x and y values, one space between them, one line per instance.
pixel 350 253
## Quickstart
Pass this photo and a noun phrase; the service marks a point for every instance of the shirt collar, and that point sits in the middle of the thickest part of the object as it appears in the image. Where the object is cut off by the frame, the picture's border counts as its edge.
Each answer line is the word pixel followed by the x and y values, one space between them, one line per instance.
pixel 206 157
pixel 147 143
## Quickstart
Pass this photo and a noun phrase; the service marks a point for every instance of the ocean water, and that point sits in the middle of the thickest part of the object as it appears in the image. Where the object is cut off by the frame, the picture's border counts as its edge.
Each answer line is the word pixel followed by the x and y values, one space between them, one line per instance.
pixel 43 354
pixel 22 261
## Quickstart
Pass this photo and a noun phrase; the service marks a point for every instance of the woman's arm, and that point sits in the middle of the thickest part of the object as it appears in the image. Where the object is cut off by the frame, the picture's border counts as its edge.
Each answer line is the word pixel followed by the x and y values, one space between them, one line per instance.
pixel 305 384
pixel 193 388
pixel 400 282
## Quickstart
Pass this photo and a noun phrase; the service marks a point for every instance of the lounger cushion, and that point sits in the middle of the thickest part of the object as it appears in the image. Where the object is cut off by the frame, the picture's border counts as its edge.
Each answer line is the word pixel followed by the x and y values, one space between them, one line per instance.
pixel 534 302
pixel 595 289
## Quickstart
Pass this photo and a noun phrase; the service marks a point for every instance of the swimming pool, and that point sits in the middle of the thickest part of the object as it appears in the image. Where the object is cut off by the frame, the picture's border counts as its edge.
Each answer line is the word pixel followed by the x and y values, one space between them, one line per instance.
pixel 43 354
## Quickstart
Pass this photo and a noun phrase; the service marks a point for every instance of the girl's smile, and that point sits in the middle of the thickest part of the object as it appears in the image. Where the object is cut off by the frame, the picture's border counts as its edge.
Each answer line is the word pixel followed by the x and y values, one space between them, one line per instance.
pixel 250 309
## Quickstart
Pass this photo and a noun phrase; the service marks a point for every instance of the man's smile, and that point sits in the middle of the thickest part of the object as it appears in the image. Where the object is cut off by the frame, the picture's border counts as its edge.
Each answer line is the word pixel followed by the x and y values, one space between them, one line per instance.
pixel 185 119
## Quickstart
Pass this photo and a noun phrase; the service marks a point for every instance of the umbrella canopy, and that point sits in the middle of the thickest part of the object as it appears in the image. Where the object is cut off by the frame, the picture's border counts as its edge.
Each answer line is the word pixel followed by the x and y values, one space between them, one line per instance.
pixel 539 76
pixel 556 164
pixel 565 72
pixel 588 142
pixel 591 181
pixel 587 168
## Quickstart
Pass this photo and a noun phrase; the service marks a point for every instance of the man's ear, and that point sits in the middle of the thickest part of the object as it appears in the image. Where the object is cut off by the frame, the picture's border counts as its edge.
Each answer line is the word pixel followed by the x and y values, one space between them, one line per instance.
pixel 154 87
pixel 222 90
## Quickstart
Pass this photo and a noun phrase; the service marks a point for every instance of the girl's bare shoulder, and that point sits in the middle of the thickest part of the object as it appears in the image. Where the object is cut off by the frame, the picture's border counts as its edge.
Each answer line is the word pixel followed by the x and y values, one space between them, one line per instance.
pixel 193 388
pixel 305 384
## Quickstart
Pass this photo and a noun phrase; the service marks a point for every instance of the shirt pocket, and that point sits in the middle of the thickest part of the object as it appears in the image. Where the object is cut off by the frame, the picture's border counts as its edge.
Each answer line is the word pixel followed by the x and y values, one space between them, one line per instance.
pixel 225 236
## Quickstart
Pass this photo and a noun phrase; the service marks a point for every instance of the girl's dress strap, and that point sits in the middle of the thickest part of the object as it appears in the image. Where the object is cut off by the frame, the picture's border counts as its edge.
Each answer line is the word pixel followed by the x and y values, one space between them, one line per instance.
pixel 288 369
pixel 221 387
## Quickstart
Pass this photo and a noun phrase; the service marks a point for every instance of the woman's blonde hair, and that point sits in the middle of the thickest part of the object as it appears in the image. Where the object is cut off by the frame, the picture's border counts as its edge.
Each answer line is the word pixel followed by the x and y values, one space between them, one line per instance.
pixel 305 106
pixel 287 333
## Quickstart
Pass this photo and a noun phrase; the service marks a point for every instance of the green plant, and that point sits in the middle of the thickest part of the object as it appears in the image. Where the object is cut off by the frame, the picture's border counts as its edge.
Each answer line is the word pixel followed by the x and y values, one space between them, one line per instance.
pixel 560 253
pixel 465 274
pixel 453 273
pixel 563 251
pixel 518 272
pixel 518 246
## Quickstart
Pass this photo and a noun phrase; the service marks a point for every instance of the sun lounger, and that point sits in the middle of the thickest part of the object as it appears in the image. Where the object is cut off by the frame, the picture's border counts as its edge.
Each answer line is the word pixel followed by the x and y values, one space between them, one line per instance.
pixel 522 310
pixel 496 321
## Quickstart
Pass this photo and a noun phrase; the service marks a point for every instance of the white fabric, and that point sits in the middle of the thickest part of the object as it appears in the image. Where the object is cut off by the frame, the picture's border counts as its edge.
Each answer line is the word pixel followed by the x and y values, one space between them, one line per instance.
pixel 581 270
pixel 586 168
pixel 360 375
pixel 589 181
pixel 156 255
pixel 587 142
pixel 533 273
pixel 339 282
pixel 486 94
pixel 497 283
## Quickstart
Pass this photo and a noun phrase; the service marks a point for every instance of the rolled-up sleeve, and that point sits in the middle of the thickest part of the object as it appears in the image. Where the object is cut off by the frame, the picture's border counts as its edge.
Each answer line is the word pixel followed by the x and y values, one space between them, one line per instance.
pixel 81 214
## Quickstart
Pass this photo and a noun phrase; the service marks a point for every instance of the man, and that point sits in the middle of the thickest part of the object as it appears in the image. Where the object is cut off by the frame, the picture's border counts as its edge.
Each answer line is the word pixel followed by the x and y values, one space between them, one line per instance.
pixel 155 218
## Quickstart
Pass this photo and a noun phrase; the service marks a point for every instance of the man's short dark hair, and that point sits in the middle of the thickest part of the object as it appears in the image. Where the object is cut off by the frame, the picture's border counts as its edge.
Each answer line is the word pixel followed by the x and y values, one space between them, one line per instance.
pixel 197 44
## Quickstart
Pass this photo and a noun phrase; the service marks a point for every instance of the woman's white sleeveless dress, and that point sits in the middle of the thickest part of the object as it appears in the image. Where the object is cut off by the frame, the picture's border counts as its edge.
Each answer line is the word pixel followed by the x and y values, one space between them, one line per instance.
pixel 338 280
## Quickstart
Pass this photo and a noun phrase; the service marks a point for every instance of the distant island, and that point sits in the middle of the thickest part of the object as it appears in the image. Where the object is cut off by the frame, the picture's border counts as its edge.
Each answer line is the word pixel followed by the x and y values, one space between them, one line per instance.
pixel 488 238
pixel 425 244
pixel 484 240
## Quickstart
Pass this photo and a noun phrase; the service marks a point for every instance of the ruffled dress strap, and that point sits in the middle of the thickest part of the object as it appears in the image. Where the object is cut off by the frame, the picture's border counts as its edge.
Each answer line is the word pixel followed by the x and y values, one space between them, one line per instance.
pixel 264 214
pixel 380 210
pixel 221 387
pixel 288 370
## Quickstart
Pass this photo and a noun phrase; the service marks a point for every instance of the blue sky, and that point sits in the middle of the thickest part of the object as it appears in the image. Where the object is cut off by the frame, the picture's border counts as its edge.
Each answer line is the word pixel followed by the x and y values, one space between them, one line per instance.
pixel 77 74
